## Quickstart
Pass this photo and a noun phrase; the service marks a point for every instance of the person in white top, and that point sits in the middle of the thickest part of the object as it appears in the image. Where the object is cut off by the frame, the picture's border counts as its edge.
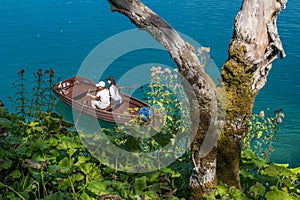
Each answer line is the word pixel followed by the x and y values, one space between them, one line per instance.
pixel 114 91
pixel 101 98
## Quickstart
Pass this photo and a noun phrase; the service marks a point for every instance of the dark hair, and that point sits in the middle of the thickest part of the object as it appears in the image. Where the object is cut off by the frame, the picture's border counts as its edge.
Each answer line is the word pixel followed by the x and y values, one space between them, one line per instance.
pixel 113 82
pixel 112 79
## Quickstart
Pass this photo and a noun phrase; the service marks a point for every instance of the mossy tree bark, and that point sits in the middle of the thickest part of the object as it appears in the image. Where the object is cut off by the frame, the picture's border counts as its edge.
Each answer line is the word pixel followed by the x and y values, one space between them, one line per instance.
pixel 254 45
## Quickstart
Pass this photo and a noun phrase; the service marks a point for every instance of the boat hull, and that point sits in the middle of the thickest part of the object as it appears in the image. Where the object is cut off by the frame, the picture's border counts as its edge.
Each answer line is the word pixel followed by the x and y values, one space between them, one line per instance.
pixel 73 92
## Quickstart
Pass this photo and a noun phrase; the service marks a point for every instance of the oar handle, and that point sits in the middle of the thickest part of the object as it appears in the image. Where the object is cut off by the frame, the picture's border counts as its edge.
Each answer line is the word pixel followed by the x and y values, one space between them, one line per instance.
pixel 129 87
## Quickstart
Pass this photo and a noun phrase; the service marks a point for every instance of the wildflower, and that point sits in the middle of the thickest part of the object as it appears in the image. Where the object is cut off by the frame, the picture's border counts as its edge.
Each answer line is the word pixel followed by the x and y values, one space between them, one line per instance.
pixel 258 144
pixel 168 71
pixel 281 115
pixel 262 114
pixel 177 85
pixel 153 69
pixel 279 120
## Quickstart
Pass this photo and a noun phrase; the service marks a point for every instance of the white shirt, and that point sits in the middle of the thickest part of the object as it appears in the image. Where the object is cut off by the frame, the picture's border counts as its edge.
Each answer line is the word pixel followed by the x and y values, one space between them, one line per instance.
pixel 104 101
pixel 114 93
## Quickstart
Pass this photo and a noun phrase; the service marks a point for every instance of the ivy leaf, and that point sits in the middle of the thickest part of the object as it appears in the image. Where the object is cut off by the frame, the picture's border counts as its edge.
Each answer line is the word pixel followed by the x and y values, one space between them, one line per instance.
pixel 64 184
pixel 64 165
pixel 154 176
pixel 296 170
pixel 6 164
pixel 97 187
pixel 86 168
pixel 14 140
pixel 85 196
pixel 16 174
pixel 33 124
pixel 222 190
pixel 140 184
pixel 58 196
pixel 258 189
pixel 52 141
pixel 5 123
pixel 41 145
pixel 24 150
pixel 278 194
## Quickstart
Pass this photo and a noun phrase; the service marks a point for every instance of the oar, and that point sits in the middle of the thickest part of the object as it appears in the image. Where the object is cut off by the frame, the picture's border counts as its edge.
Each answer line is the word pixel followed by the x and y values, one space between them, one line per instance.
pixel 77 120
pixel 79 96
pixel 129 87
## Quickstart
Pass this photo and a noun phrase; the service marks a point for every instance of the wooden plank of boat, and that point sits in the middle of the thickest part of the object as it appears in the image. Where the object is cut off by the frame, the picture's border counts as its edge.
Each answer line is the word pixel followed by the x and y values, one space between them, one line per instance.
pixel 73 92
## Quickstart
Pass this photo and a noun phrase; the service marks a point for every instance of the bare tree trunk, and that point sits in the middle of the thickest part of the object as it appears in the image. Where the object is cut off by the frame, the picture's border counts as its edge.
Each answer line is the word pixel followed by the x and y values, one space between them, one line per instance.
pixel 204 175
pixel 254 46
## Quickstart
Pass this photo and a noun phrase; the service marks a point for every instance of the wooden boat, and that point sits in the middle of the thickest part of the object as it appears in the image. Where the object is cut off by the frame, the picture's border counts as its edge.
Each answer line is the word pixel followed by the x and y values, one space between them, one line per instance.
pixel 73 92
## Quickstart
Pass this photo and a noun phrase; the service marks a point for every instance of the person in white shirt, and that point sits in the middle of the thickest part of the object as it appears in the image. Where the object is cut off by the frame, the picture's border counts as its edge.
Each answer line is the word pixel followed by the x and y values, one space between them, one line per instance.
pixel 114 91
pixel 101 98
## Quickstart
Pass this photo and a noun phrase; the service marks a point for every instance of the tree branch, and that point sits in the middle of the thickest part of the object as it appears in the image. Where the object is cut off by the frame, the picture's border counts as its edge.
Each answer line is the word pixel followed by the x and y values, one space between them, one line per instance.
pixel 191 68
pixel 182 52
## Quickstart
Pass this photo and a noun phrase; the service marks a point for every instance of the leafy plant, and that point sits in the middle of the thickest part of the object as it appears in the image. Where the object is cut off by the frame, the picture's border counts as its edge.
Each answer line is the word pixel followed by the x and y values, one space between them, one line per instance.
pixel 20 99
pixel 44 158
pixel 262 133
pixel 30 103
pixel 260 178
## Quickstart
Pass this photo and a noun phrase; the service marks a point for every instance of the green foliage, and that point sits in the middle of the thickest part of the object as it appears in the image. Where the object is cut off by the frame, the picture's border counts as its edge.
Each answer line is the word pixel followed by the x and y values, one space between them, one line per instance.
pixel 266 179
pixel 225 193
pixel 42 157
pixel 170 119
pixel 262 133
pixel 261 180
pixel 45 159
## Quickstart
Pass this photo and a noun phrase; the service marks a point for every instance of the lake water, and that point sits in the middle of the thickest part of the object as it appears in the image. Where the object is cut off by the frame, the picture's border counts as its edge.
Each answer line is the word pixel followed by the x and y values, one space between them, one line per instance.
pixel 60 34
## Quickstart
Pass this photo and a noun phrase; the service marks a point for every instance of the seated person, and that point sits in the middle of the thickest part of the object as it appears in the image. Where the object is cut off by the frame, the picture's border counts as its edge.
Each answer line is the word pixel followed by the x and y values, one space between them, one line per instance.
pixel 101 98
pixel 114 91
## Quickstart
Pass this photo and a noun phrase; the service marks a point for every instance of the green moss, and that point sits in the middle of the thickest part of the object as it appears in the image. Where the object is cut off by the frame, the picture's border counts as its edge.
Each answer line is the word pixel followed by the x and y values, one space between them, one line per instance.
pixel 239 101
pixel 237 82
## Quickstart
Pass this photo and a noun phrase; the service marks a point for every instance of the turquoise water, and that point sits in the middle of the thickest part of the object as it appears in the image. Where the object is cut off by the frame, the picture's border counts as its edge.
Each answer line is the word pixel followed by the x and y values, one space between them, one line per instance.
pixel 60 34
